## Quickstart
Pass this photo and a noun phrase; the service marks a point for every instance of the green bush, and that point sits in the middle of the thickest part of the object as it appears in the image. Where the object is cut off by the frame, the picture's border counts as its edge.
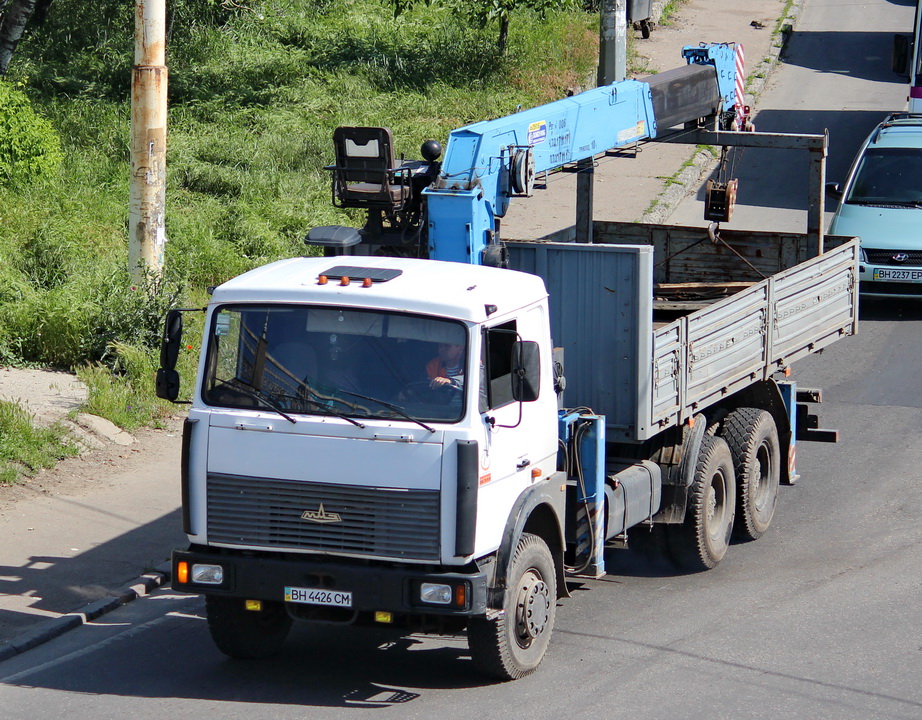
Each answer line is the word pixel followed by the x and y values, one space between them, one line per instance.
pixel 29 147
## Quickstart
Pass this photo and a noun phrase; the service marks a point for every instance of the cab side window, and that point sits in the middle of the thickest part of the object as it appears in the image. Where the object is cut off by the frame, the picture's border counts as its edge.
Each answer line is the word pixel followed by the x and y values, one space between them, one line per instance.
pixel 497 365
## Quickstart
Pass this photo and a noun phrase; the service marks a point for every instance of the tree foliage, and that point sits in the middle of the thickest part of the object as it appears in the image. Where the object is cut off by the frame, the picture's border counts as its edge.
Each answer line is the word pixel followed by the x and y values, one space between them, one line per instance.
pixel 484 12
pixel 29 146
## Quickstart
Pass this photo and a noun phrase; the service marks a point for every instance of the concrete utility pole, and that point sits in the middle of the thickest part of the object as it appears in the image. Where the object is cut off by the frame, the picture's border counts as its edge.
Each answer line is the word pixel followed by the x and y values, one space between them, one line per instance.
pixel 613 42
pixel 146 227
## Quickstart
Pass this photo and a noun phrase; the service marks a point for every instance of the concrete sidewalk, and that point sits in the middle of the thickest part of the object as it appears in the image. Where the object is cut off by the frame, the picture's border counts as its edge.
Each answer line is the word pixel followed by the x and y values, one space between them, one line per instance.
pixel 88 536
pixel 70 557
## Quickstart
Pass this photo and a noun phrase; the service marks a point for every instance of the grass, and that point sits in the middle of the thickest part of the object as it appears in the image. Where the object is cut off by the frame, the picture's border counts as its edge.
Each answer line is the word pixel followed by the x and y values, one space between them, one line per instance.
pixel 24 448
pixel 670 9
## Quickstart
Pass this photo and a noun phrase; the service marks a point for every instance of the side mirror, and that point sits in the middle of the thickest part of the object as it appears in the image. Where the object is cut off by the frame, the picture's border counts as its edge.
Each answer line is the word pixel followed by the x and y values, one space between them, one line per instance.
pixel 833 190
pixel 167 384
pixel 167 377
pixel 526 371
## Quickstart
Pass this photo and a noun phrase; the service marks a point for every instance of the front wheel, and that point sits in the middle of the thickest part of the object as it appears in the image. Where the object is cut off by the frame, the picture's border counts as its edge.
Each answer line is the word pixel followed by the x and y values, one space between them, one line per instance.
pixel 246 634
pixel 701 541
pixel 512 645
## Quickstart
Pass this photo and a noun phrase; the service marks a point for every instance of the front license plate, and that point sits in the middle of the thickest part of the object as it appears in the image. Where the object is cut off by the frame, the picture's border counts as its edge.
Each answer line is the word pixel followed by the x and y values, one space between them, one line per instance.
pixel 898 275
pixel 316 596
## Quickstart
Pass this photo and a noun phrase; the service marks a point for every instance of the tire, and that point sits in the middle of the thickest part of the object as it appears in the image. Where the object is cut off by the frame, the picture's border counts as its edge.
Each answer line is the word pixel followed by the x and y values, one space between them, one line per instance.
pixel 246 634
pixel 646 28
pixel 512 645
pixel 701 542
pixel 753 440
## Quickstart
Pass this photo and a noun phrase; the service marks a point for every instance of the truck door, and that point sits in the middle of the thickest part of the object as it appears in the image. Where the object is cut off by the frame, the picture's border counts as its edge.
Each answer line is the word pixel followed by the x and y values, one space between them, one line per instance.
pixel 516 436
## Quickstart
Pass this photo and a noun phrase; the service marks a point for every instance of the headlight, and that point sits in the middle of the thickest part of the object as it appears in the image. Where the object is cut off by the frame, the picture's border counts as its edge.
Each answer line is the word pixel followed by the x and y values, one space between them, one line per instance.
pixel 207 574
pixel 862 254
pixel 435 593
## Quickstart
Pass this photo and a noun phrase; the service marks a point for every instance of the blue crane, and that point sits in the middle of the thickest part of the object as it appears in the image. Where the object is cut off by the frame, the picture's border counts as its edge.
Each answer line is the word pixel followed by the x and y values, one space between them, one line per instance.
pixel 450 210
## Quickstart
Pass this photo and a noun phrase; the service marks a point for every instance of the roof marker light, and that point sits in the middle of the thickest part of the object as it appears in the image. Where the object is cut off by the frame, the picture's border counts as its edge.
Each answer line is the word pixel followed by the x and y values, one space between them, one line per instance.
pixel 366 282
pixel 323 280
pixel 344 280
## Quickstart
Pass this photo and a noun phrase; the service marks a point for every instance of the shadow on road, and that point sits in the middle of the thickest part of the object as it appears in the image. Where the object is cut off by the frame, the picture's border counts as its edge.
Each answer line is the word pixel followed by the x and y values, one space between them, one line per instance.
pixel 48 585
pixel 884 309
pixel 173 656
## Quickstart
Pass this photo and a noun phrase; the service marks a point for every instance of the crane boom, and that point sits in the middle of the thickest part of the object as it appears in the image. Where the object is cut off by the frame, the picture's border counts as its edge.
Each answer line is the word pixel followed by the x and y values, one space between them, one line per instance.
pixel 489 162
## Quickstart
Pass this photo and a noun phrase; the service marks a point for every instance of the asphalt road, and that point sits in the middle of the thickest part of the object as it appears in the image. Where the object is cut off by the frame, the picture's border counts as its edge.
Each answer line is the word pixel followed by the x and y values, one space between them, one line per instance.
pixel 818 619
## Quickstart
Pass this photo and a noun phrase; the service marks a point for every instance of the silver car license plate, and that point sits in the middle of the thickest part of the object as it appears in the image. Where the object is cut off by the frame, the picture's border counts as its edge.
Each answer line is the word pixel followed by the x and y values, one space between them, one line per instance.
pixel 893 274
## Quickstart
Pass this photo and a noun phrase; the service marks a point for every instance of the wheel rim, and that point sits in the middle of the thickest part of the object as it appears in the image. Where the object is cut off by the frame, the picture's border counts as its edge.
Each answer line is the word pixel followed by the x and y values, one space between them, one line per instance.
pixel 532 608
pixel 763 490
pixel 716 508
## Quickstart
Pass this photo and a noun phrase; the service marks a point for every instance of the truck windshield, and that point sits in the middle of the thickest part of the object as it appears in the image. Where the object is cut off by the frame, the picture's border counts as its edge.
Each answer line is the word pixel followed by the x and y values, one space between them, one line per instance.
pixel 337 362
pixel 888 176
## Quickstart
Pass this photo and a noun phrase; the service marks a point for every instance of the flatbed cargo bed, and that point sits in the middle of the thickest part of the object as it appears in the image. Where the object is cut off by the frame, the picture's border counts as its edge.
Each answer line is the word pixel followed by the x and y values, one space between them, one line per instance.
pixel 659 322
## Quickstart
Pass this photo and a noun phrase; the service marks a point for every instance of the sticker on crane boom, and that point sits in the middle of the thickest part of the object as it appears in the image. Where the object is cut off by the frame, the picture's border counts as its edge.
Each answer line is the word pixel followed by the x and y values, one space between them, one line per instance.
pixel 632 133
pixel 537 132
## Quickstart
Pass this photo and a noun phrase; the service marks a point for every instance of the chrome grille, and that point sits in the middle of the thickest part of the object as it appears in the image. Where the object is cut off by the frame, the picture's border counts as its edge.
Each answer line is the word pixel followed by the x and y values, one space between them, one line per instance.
pixel 374 522
pixel 885 257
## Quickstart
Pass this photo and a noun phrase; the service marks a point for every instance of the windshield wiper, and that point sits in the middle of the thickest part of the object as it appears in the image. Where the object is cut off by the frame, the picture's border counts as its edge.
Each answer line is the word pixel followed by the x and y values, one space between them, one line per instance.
pixel 886 203
pixel 390 406
pixel 259 395
pixel 906 203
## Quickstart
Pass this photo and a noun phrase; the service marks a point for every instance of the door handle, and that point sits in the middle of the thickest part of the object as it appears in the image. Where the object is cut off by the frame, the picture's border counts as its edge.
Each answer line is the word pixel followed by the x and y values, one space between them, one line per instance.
pixel 524 463
pixel 249 426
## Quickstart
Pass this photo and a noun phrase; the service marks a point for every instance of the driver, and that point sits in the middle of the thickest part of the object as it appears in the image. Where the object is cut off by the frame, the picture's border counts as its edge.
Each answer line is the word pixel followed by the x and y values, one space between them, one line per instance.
pixel 446 370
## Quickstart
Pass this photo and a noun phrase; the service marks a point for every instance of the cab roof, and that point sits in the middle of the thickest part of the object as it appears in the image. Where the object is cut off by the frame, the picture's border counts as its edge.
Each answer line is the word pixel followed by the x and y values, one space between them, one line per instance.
pixel 431 287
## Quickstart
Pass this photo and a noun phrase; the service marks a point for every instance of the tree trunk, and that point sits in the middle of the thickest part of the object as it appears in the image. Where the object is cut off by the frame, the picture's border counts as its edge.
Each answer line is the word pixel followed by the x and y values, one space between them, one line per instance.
pixel 17 15
pixel 503 34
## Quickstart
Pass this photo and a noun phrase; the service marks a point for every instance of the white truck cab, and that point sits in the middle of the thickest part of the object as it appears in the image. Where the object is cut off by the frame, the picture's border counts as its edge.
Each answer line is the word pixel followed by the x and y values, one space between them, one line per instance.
pixel 361 433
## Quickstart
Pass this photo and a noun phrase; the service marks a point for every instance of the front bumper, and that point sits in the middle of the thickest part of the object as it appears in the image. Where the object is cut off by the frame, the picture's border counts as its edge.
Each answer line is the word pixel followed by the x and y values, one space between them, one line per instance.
pixel 374 588
pixel 890 281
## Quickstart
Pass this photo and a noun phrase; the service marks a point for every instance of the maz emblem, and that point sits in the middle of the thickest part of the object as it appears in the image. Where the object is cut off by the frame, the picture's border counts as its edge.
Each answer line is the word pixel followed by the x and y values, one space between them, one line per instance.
pixel 321 516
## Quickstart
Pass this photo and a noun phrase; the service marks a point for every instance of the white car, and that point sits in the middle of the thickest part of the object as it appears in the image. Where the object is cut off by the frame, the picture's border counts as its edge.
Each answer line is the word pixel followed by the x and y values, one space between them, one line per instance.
pixel 881 203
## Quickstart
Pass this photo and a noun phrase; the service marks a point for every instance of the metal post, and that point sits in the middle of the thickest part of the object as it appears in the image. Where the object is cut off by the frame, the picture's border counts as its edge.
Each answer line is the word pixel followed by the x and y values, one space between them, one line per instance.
pixel 146 226
pixel 584 180
pixel 817 145
pixel 816 206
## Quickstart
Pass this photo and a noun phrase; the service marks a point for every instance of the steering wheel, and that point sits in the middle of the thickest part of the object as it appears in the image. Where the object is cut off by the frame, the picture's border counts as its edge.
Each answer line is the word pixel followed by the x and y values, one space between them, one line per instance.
pixel 422 390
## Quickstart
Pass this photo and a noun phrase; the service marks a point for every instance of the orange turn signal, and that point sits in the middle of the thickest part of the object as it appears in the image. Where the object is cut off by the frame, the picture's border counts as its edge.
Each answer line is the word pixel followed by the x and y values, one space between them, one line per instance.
pixel 460 594
pixel 182 571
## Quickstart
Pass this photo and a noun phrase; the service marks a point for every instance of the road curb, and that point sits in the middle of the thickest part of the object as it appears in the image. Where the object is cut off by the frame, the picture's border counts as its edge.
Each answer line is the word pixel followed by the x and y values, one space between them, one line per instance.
pixel 703 161
pixel 55 627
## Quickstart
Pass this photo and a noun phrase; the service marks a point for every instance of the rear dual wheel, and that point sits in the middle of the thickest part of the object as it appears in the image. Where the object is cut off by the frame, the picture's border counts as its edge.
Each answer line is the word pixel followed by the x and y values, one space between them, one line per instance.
pixel 702 540
pixel 752 437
